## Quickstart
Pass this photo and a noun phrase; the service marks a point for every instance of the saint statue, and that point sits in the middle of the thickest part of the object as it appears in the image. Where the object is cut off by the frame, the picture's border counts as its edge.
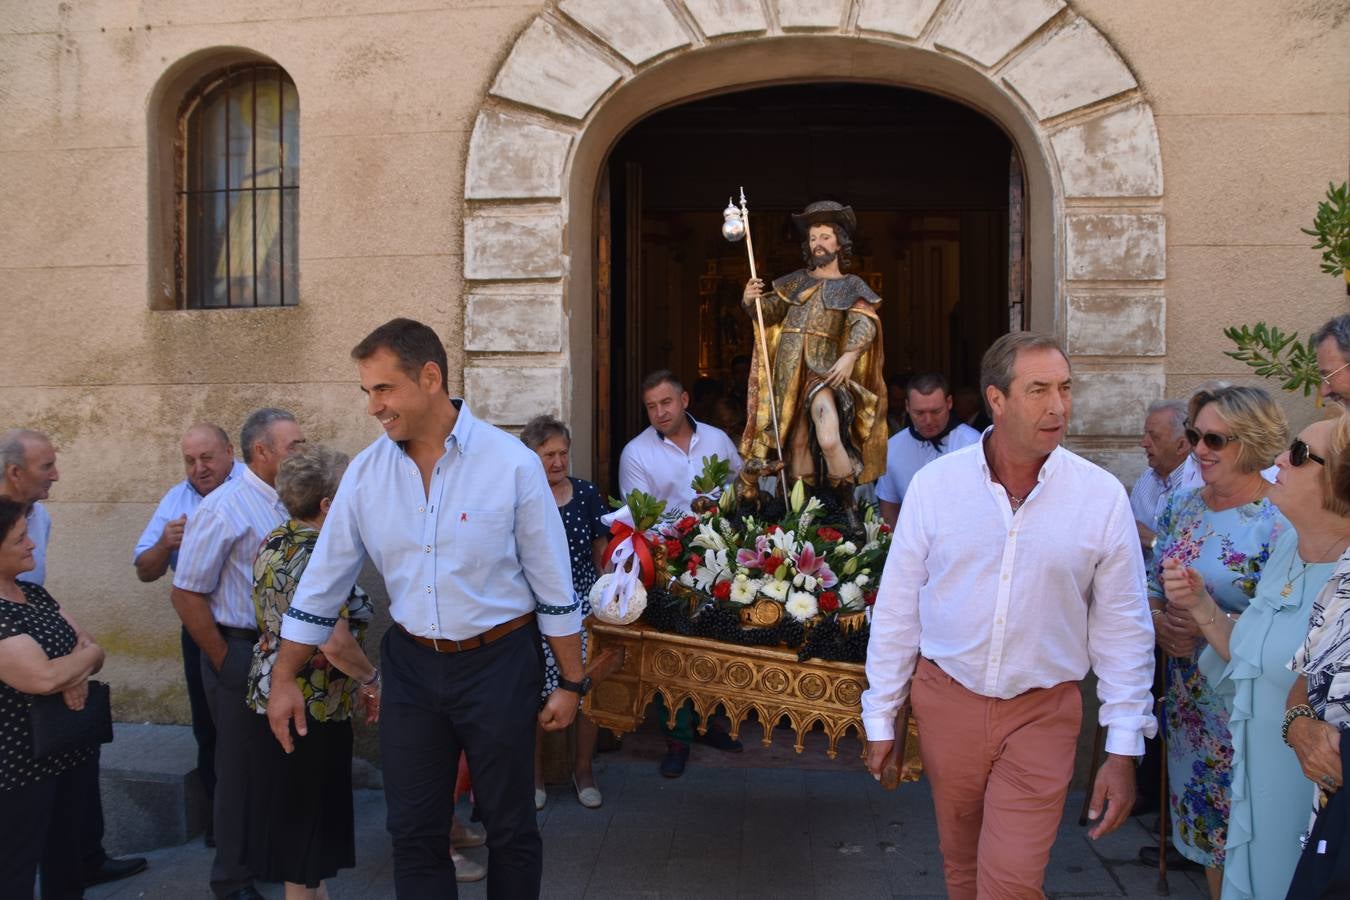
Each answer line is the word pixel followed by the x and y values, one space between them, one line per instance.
pixel 824 341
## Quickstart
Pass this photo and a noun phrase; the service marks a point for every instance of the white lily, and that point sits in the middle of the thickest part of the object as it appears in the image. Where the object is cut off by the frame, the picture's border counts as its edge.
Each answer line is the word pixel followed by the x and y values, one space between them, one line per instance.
pixel 785 541
pixel 708 538
pixel 850 596
pixel 714 566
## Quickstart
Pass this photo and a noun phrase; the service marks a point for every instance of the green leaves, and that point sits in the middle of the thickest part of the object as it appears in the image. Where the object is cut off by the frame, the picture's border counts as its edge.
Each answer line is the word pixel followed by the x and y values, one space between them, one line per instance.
pixel 645 508
pixel 715 474
pixel 1274 354
pixel 1331 227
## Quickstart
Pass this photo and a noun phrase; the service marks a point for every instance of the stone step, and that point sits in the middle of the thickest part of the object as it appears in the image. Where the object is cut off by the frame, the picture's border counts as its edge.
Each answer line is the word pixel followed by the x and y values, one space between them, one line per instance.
pixel 152 796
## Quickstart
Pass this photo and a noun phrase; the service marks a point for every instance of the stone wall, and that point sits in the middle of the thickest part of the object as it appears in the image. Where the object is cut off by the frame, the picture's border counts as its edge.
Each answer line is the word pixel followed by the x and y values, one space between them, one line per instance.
pixel 449 152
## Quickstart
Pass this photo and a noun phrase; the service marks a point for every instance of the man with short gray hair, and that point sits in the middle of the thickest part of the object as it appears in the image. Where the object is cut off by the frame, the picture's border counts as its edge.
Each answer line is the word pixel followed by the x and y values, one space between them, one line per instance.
pixel 1332 342
pixel 213 595
pixel 29 461
pixel 1171 467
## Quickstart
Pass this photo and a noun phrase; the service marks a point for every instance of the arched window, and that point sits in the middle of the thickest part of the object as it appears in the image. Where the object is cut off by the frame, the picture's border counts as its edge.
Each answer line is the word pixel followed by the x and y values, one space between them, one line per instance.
pixel 238 190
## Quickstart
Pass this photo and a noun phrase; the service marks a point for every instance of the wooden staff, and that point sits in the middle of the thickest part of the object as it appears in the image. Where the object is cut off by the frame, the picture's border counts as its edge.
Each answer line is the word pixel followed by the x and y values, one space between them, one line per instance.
pixel 764 348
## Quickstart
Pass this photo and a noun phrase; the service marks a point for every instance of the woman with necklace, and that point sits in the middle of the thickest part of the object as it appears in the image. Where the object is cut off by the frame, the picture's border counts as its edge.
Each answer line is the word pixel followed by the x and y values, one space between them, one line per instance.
pixel 1245 661
pixel 1222 534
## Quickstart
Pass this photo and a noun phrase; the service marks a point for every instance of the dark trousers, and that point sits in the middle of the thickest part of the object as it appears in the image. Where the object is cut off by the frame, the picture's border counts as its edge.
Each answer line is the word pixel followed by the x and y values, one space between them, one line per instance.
pixel 203 729
pixel 40 832
pixel 239 732
pixel 484 702
pixel 89 801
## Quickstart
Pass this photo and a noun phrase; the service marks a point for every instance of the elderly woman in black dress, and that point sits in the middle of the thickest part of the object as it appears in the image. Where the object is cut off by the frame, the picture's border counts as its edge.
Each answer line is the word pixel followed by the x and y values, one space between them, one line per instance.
pixel 42 651
pixel 580 505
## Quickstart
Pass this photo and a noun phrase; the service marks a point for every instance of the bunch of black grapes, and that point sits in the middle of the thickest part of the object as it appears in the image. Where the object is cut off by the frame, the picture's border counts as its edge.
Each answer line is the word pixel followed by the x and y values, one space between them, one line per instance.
pixel 826 641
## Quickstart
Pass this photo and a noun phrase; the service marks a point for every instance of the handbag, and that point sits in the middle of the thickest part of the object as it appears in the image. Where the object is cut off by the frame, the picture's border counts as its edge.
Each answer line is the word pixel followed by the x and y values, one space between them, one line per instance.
pixel 57 728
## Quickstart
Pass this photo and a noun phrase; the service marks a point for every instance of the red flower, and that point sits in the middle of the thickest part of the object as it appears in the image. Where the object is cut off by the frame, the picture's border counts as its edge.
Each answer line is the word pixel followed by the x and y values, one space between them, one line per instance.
pixel 685 524
pixel 885 529
pixel 695 561
pixel 825 533
pixel 673 549
pixel 773 529
pixel 870 597
pixel 829 601
pixel 722 590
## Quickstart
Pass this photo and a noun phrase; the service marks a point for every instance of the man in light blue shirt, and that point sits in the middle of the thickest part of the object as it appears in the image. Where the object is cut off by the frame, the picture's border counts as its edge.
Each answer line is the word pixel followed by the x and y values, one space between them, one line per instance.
pixel 933 431
pixel 29 462
pixel 458 517
pixel 208 462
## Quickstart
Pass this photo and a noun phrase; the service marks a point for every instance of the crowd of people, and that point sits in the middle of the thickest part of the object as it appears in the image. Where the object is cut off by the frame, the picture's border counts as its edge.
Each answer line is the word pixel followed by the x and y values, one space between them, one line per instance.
pixel 1223 577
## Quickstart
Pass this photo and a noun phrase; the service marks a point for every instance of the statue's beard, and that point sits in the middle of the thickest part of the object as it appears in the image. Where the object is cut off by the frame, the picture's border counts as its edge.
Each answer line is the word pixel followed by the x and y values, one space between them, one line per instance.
pixel 820 260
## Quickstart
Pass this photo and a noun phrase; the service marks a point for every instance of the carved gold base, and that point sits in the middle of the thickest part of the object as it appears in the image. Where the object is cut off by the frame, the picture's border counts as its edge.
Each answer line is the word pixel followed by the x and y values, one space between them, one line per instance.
pixel 632 664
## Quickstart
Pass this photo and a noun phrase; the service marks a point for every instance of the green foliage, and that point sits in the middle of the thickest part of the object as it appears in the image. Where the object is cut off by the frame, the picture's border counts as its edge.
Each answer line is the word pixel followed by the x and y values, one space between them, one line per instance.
pixel 1274 354
pixel 1331 227
pixel 645 509
pixel 715 474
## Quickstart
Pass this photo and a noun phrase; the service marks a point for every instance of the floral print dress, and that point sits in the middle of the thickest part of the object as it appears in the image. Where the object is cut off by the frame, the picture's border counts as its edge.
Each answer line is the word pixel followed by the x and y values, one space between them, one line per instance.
pixel 1229 549
pixel 329 694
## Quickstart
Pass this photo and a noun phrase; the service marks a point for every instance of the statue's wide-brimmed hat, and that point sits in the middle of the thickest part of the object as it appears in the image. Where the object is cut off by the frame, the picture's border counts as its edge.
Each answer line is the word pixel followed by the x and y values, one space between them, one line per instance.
pixel 826 212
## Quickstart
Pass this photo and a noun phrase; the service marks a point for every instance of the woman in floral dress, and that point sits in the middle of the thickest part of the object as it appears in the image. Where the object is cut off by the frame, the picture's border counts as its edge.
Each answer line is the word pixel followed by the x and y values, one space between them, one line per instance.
pixel 1224 531
pixel 580 505
pixel 301 810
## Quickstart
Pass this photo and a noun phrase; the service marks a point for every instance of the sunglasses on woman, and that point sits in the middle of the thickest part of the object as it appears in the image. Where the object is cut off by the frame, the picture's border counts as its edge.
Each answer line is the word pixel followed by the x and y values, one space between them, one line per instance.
pixel 1299 454
pixel 1211 439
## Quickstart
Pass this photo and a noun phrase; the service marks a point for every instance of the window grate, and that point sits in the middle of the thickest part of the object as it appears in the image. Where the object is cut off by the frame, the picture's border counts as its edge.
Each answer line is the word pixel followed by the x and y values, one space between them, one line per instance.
pixel 238 190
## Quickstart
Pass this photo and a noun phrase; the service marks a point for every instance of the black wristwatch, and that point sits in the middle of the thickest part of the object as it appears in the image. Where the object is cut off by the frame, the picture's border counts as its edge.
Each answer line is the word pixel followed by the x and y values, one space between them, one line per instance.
pixel 580 688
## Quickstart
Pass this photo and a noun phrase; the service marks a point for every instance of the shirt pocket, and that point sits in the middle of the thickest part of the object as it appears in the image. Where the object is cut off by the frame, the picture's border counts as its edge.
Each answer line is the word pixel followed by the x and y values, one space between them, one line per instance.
pixel 481 544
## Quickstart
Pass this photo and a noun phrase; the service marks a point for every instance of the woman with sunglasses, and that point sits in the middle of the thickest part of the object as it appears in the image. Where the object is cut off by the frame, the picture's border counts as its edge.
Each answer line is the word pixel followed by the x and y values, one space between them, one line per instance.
pixel 1245 661
pixel 1221 535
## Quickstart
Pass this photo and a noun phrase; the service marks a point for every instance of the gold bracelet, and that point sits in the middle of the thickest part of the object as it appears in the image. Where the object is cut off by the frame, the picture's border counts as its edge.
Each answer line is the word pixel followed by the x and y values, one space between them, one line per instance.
pixel 1212 619
pixel 1303 710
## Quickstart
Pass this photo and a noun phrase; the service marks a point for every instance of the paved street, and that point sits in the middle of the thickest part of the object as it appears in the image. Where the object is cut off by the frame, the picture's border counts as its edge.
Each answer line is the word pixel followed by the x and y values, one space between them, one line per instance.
pixel 748 826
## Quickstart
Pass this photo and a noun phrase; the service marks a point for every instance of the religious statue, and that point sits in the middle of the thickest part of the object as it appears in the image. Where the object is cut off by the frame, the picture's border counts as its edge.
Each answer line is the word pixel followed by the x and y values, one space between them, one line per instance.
pixel 827 399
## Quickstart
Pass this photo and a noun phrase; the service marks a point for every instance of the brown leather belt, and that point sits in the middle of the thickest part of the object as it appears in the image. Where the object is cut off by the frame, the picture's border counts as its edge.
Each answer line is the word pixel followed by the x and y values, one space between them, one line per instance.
pixel 496 632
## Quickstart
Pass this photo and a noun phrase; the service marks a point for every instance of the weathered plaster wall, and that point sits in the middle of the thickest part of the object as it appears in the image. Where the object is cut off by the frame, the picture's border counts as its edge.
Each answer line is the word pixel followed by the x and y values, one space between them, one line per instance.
pixel 1248 101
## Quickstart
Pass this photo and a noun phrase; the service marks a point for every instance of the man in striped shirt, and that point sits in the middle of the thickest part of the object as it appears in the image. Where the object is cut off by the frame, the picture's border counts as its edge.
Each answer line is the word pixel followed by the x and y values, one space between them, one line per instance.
pixel 213 595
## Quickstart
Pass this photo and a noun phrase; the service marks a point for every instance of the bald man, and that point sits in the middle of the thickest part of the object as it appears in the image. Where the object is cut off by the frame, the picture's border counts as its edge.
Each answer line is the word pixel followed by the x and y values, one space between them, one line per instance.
pixel 208 462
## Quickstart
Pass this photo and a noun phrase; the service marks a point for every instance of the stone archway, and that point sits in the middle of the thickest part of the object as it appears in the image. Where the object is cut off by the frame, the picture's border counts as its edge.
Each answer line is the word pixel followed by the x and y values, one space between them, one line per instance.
pixel 586 70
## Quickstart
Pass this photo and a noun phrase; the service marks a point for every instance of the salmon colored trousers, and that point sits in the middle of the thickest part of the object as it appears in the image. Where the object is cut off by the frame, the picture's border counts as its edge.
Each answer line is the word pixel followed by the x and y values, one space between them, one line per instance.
pixel 999 771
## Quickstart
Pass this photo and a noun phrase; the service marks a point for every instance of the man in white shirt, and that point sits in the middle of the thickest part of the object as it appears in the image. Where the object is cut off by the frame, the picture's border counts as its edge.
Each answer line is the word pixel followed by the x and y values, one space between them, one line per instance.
pixel 1171 467
pixel 663 461
pixel 932 431
pixel 208 462
pixel 668 455
pixel 1015 567
pixel 213 595
pixel 458 517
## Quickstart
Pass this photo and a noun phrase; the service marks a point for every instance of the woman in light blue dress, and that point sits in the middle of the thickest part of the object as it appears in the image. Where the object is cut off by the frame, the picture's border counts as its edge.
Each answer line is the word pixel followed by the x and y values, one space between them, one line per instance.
pixel 1246 663
pixel 1222 535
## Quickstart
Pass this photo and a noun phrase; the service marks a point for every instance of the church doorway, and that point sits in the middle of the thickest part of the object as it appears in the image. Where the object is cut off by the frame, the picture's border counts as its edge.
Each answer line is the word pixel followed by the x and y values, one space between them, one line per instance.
pixel 938 192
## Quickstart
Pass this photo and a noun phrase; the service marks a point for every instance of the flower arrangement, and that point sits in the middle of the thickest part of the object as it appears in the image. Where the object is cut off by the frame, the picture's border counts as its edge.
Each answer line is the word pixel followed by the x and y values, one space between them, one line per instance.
pixel 741 579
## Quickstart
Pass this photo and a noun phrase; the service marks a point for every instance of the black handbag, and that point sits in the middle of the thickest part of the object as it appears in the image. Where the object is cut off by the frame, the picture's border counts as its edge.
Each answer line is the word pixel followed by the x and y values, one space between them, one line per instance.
pixel 57 728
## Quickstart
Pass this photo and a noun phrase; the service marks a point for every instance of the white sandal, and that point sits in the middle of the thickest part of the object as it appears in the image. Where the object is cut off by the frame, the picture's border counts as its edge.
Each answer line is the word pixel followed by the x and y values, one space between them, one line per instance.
pixel 588 797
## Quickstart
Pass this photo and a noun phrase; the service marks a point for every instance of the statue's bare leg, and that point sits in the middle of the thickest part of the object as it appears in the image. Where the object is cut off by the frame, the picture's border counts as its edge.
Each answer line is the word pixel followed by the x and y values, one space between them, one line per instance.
pixel 825 415
pixel 800 464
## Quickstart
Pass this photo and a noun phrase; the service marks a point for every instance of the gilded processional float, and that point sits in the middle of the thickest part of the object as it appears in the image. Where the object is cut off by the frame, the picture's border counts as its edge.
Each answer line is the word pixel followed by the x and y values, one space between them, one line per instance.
pixel 759 597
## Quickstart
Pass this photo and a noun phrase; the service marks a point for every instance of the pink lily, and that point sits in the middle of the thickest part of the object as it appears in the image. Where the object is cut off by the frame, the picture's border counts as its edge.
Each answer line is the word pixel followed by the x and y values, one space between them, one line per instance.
pixel 808 563
pixel 753 559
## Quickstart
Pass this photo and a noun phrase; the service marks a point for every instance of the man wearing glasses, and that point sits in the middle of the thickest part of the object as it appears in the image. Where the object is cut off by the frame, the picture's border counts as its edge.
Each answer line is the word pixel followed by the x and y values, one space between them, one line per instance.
pixel 1332 341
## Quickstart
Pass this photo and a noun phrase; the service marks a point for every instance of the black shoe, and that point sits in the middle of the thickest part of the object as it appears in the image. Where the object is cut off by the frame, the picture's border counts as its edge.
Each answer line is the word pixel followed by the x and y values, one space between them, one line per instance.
pixel 720 740
pixel 1148 855
pixel 245 893
pixel 113 869
pixel 677 756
